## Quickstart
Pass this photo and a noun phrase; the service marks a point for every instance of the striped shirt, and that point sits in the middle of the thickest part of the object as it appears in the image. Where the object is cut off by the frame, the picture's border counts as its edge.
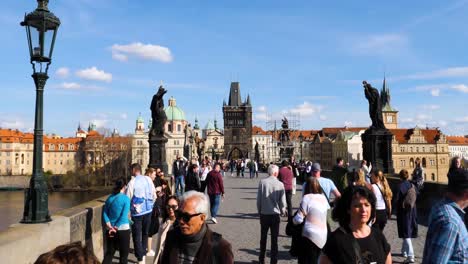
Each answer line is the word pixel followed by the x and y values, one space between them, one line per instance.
pixel 447 238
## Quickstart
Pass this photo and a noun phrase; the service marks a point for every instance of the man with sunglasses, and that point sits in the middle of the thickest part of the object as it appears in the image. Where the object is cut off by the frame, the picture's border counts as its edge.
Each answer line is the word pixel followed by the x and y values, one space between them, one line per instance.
pixel 192 241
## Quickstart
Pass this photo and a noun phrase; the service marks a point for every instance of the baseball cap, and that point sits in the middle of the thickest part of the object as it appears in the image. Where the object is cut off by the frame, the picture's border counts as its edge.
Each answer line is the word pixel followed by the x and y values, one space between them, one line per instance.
pixel 316 167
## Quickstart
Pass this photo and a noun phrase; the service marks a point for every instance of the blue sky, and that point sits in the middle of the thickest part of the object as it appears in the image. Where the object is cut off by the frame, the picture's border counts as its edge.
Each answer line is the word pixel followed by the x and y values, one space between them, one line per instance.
pixel 302 57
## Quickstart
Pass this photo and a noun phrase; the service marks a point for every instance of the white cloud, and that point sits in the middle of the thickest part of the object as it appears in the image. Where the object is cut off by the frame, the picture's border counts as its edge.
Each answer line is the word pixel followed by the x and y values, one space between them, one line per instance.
pixel 442 123
pixel 442 73
pixel 430 107
pixel 124 116
pixel 380 44
pixel 94 74
pixel 407 120
pixel 305 109
pixel 435 92
pixel 63 72
pixel 460 87
pixel 262 108
pixel 348 123
pixel 462 119
pixel 100 122
pixel 70 86
pixel 142 51
pixel 323 117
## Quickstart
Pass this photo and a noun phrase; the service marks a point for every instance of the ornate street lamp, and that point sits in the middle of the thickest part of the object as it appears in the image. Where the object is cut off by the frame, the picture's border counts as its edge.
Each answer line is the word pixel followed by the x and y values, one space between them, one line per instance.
pixel 301 139
pixel 41 29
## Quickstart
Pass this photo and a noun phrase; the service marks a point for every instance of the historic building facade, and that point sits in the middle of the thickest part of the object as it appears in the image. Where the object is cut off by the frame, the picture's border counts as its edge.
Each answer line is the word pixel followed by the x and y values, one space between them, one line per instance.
pixel 213 138
pixel 266 147
pixel 458 147
pixel 429 145
pixel 237 116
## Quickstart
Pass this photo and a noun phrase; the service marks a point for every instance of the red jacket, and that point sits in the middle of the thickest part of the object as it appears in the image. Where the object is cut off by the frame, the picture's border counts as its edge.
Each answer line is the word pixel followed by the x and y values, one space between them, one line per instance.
pixel 214 183
pixel 286 177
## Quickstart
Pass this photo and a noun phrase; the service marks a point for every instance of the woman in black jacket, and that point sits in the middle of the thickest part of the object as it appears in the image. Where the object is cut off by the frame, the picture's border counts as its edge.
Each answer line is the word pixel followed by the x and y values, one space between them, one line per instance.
pixel 192 181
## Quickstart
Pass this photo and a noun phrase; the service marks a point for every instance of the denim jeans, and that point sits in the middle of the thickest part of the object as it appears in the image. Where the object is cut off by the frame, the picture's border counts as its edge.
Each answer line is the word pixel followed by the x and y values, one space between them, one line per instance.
pixel 140 230
pixel 407 247
pixel 215 199
pixel 252 174
pixel 179 185
pixel 271 222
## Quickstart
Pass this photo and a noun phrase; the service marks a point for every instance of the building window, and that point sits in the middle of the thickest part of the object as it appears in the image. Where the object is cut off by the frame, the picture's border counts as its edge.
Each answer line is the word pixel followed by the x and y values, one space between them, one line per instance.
pixel 179 127
pixel 169 127
pixel 411 161
pixel 51 147
pixel 423 149
pixel 431 162
pixel 424 162
pixel 175 152
pixel 417 149
pixel 431 149
pixel 411 149
pixel 61 147
pixel 433 177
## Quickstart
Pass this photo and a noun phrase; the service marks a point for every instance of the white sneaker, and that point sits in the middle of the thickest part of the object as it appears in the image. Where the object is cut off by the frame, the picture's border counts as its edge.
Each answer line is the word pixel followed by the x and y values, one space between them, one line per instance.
pixel 409 259
pixel 151 253
pixel 404 254
pixel 214 220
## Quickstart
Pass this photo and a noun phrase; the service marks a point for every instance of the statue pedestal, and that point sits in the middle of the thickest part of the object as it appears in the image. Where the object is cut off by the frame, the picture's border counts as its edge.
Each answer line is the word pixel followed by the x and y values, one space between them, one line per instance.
pixel 377 149
pixel 157 153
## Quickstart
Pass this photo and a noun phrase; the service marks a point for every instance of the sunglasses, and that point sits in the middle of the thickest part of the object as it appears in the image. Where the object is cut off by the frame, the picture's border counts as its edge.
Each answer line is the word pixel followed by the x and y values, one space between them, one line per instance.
pixel 185 216
pixel 173 207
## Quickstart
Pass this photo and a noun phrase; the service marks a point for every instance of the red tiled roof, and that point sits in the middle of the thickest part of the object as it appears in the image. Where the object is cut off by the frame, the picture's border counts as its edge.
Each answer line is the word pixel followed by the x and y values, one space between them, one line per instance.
pixel 457 140
pixel 402 135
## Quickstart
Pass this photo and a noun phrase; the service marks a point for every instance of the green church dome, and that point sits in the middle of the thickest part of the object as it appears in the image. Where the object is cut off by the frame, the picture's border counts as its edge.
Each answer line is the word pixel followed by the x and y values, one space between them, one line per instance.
pixel 173 112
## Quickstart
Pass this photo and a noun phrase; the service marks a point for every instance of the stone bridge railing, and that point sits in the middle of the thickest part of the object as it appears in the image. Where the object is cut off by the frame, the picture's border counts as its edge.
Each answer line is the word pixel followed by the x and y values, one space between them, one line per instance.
pixel 23 243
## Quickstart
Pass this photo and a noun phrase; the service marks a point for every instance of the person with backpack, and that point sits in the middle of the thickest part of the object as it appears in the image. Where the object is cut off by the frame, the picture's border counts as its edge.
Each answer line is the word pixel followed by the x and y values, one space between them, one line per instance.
pixel 406 215
pixel 142 194
pixel 418 175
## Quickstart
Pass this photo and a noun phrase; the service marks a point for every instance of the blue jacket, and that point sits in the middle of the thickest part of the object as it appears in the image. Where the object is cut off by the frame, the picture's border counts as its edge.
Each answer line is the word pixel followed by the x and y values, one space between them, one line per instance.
pixel 116 209
pixel 142 193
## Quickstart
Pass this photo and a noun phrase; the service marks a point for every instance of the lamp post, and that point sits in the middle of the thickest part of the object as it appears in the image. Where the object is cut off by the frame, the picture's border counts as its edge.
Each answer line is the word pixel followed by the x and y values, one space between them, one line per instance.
pixel 301 139
pixel 41 29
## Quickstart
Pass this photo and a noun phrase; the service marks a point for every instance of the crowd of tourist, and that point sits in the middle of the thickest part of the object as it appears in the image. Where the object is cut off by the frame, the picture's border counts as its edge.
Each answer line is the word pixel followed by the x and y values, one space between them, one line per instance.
pixel 360 201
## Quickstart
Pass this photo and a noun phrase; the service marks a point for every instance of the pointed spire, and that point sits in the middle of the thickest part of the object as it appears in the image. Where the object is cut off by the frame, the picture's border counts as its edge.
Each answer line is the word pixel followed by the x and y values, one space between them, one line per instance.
pixel 224 102
pixel 215 123
pixel 248 100
pixel 79 126
pixel 196 126
pixel 235 95
pixel 89 127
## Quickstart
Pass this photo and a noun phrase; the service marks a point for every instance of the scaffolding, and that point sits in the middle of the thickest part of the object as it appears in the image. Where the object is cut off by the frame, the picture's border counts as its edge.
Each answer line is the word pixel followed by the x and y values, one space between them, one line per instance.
pixel 273 126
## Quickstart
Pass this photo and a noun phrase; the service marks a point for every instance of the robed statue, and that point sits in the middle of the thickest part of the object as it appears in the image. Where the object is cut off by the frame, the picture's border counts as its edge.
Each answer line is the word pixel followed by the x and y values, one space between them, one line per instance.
pixel 375 105
pixel 284 136
pixel 158 114
pixel 257 152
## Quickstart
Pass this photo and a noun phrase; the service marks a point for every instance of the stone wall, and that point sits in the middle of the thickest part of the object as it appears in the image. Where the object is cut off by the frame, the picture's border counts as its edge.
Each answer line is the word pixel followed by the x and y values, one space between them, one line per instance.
pixel 14 181
pixel 23 243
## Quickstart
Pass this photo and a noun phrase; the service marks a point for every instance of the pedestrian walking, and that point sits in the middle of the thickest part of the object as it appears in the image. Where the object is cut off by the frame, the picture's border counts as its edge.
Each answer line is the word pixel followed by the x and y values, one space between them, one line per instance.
pixel 286 177
pixel 271 203
pixel 312 213
pixel 406 215
pixel 355 241
pixel 384 195
pixel 115 215
pixel 215 186
pixel 339 175
pixel 179 172
pixel 192 180
pixel 142 196
pixel 154 226
pixel 204 172
pixel 367 170
pixel 447 237
pixel 193 241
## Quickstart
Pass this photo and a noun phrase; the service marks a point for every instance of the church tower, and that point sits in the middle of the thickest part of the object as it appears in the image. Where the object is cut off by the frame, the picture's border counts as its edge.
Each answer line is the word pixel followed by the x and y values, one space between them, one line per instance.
pixel 389 114
pixel 237 115
pixel 140 125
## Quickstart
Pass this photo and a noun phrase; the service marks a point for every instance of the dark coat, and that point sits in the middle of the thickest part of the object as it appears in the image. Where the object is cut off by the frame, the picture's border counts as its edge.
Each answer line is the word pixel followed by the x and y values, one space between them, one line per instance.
pixel 407 220
pixel 192 182
pixel 178 170
pixel 205 253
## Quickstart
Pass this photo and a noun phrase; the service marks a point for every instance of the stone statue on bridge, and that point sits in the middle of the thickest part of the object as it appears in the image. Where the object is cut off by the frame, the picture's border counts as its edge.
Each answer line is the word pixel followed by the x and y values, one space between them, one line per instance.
pixel 158 114
pixel 375 105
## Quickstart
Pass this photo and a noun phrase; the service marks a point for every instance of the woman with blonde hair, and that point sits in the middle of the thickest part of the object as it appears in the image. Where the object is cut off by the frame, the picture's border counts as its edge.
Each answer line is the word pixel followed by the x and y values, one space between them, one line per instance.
pixel 361 180
pixel 384 195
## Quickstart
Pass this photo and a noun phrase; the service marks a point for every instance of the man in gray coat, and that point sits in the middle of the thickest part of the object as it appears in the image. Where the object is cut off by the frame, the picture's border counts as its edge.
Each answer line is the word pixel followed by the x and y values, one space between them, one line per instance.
pixel 271 203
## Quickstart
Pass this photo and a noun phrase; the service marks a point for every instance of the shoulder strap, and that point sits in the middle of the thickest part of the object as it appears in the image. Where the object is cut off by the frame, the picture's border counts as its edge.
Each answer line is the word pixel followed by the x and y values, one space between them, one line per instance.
pixel 326 196
pixel 385 198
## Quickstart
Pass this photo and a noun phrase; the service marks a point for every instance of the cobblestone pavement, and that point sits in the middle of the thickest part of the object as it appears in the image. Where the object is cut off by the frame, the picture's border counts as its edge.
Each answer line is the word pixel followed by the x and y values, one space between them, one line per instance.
pixel 239 223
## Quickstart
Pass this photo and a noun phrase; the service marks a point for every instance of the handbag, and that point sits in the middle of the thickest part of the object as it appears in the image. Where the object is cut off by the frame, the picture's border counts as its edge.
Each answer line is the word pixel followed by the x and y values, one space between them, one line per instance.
pixel 296 237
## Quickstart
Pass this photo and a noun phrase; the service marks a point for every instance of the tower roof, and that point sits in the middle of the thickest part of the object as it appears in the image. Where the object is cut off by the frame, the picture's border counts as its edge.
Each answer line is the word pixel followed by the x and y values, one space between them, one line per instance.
pixel 140 119
pixel 385 98
pixel 196 124
pixel 235 95
pixel 209 126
